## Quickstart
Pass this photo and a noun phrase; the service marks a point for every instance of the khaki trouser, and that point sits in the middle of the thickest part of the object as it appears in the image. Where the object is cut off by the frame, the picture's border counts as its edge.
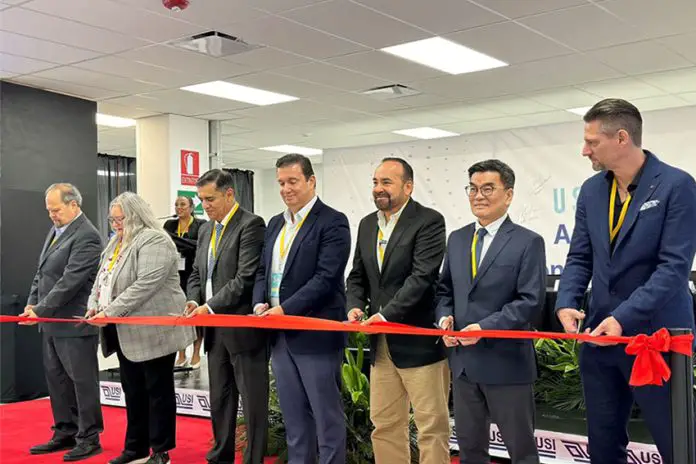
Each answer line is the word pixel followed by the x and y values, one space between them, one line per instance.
pixel 392 392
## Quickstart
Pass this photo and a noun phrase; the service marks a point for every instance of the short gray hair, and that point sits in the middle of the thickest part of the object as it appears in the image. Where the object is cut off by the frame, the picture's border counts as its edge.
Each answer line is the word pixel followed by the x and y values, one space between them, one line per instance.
pixel 615 114
pixel 68 192
pixel 137 215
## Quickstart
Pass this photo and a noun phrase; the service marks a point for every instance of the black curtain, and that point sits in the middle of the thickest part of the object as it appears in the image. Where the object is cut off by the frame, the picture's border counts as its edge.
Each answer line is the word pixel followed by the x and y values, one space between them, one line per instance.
pixel 115 175
pixel 243 182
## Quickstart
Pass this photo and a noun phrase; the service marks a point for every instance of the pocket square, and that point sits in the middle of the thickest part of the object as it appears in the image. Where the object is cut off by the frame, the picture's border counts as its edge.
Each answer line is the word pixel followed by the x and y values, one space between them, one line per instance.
pixel 649 204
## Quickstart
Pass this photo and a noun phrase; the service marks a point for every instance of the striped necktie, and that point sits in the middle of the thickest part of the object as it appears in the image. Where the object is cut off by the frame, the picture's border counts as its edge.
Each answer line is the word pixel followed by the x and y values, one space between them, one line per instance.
pixel 211 257
pixel 479 248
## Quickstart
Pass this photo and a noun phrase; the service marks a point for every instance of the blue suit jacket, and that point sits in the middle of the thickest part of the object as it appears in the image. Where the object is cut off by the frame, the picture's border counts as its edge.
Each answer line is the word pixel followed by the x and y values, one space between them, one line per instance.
pixel 507 294
pixel 644 283
pixel 313 279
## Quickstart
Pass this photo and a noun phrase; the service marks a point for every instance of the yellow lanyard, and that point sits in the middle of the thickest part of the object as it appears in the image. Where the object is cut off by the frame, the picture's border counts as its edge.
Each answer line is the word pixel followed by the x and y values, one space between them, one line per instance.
pixel 215 238
pixel 117 251
pixel 53 242
pixel 614 230
pixel 179 232
pixel 283 249
pixel 473 255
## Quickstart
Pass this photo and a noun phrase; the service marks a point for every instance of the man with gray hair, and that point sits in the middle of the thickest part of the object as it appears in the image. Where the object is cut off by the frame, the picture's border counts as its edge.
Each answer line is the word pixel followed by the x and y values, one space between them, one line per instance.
pixel 62 284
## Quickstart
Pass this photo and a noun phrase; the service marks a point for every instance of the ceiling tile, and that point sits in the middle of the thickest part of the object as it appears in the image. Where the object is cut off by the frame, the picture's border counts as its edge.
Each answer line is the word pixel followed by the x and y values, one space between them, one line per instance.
pixel 267 58
pixel 570 27
pixel 283 84
pixel 20 65
pixel 188 103
pixel 626 88
pixel 276 32
pixel 135 70
pixel 552 117
pixel 514 106
pixel 519 9
pixel 682 44
pixel 422 101
pixel 459 112
pixel 108 107
pixel 218 116
pixel 359 102
pixel 392 68
pixel 640 57
pixel 448 16
pixel 279 6
pixel 420 117
pixel 42 50
pixel 69 88
pixel 332 76
pixel 365 26
pixel 659 103
pixel 680 81
pixel 470 127
pixel 509 42
pixel 689 97
pixel 90 78
pixel 110 15
pixel 564 98
pixel 42 26
pixel 656 18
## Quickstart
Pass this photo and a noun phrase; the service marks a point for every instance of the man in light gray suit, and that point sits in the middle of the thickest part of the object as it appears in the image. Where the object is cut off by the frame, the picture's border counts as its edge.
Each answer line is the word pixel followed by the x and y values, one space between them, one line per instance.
pixel 61 287
pixel 222 281
pixel 494 278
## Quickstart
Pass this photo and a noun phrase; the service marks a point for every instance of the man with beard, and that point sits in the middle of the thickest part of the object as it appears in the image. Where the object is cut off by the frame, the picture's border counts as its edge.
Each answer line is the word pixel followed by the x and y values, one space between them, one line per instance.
pixel 394 277
pixel 639 262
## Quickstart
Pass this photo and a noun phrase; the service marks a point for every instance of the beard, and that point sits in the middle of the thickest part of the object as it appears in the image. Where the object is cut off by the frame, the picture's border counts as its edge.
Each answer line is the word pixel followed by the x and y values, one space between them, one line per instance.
pixel 383 202
pixel 597 166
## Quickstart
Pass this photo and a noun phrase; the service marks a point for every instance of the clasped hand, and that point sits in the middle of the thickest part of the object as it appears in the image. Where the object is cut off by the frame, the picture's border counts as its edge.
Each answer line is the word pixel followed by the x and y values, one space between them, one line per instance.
pixel 450 342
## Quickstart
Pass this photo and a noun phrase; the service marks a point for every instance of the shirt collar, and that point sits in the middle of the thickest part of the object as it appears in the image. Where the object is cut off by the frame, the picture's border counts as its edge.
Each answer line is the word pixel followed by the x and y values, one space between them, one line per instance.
pixel 382 219
pixel 301 214
pixel 492 228
pixel 60 230
pixel 229 215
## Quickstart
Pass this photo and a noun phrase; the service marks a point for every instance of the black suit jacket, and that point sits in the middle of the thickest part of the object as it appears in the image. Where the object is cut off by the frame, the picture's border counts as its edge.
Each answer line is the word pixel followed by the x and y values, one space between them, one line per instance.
pixel 405 289
pixel 238 254
pixel 65 276
pixel 185 245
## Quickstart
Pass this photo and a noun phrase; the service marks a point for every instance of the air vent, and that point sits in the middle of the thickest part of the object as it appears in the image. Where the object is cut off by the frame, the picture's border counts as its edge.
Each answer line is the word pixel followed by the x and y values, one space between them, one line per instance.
pixel 389 92
pixel 215 44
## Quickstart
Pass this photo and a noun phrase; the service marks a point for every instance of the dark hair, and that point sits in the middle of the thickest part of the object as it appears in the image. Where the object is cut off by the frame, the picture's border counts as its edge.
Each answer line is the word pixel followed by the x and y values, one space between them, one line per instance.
pixel 294 158
pixel 507 175
pixel 616 114
pixel 190 200
pixel 221 178
pixel 408 170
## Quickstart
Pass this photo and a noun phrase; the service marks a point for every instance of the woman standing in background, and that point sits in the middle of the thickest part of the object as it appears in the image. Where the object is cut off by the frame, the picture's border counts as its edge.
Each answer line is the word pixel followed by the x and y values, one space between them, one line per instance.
pixel 184 232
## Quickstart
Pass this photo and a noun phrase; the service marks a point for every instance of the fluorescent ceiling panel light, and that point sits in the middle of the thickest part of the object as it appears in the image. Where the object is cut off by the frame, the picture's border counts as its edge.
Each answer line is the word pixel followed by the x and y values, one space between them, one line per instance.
pixel 294 149
pixel 579 111
pixel 426 133
pixel 444 55
pixel 240 93
pixel 114 121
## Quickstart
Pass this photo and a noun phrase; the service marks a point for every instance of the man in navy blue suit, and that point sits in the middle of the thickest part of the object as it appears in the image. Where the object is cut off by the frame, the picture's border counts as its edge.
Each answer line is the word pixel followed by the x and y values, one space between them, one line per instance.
pixel 494 278
pixel 634 237
pixel 301 273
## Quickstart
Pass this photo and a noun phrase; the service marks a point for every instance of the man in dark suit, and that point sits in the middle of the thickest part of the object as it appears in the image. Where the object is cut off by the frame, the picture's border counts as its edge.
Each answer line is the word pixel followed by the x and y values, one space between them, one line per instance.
pixel 222 281
pixel 61 287
pixel 494 278
pixel 395 270
pixel 639 262
pixel 302 274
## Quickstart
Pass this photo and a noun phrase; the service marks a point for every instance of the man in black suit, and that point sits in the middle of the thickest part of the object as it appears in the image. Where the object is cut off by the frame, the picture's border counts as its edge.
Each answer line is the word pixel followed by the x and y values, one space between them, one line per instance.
pixel 493 279
pixel 395 270
pixel 67 268
pixel 222 281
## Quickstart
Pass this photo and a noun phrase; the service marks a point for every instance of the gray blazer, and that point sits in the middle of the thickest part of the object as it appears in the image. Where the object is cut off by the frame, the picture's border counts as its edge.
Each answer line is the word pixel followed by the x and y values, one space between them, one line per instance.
pixel 65 276
pixel 145 282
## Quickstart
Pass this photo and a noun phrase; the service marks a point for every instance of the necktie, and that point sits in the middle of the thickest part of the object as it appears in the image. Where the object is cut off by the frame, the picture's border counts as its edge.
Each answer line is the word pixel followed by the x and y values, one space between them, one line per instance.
pixel 56 236
pixel 211 255
pixel 479 248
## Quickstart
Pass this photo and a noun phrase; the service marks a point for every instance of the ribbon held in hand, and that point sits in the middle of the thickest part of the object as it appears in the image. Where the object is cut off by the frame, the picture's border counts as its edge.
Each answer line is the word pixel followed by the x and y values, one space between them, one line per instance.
pixel 650 367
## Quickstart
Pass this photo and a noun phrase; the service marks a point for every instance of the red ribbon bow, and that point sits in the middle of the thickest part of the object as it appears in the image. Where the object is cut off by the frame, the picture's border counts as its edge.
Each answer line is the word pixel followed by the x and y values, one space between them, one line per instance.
pixel 650 367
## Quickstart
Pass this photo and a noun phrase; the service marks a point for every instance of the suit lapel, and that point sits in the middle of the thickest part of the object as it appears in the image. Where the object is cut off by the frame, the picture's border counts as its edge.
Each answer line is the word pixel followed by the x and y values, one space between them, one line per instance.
pixel 603 204
pixel 499 241
pixel 468 238
pixel 398 232
pixel 226 237
pixel 206 235
pixel 646 187
pixel 124 255
pixel 63 237
pixel 301 234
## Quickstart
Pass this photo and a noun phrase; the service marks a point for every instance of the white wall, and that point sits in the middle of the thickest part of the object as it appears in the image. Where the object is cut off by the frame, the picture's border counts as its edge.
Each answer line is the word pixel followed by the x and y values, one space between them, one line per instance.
pixel 546 160
pixel 267 201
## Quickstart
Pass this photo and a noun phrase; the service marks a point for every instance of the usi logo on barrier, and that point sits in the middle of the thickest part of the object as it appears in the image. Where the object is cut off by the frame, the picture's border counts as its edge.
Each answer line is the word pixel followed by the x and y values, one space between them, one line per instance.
pixel 184 401
pixel 111 393
pixel 203 402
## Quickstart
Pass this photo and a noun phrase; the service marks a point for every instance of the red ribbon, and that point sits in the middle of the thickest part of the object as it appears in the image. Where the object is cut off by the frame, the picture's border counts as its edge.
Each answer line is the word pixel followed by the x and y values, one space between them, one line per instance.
pixel 649 367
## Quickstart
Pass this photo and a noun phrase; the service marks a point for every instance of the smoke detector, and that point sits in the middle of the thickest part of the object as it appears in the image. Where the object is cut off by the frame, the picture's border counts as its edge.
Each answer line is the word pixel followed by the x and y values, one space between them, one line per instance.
pixel 215 44
pixel 390 92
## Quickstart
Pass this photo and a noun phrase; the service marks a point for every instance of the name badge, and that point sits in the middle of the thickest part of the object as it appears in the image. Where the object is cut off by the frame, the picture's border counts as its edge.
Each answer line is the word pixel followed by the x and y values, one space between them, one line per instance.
pixel 182 263
pixel 276 277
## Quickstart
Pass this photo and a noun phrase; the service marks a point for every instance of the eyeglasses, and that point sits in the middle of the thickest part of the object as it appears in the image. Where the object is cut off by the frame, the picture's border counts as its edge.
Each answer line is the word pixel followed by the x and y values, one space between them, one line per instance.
pixel 116 220
pixel 486 190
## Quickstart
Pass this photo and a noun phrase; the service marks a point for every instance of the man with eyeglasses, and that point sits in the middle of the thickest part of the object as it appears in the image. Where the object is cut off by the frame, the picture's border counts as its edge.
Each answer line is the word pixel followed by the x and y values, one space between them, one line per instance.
pixel 66 272
pixel 493 278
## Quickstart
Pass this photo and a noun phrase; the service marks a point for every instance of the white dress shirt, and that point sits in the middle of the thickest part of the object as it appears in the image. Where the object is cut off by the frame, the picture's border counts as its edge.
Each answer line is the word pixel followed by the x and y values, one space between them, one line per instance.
pixel 386 226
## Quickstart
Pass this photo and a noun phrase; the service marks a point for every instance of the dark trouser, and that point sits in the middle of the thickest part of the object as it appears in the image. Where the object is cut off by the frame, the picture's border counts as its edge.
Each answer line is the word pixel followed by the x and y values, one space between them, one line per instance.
pixel 150 404
pixel 511 407
pixel 309 390
pixel 232 375
pixel 605 373
pixel 72 376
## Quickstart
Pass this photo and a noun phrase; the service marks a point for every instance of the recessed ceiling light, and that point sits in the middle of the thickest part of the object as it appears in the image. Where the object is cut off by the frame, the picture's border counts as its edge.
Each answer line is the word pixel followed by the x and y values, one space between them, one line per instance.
pixel 426 133
pixel 294 149
pixel 444 55
pixel 580 111
pixel 114 121
pixel 240 93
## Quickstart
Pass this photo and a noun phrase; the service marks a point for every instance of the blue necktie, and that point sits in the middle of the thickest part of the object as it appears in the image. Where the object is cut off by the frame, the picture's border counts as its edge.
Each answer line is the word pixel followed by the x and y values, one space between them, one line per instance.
pixel 479 247
pixel 211 256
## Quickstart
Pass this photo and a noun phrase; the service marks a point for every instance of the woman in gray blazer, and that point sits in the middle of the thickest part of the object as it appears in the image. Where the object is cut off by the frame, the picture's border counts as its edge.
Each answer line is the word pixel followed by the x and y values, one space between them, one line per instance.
pixel 138 276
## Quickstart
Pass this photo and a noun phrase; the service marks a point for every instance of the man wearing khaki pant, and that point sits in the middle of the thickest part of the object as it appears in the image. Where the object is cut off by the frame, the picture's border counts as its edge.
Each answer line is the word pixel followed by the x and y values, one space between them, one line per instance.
pixel 395 270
